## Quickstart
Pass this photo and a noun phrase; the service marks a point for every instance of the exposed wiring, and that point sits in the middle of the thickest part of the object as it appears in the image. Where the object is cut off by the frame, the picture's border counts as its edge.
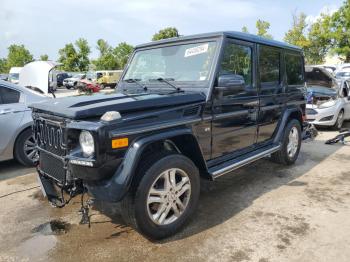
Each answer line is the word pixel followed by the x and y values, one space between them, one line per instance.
pixel 19 191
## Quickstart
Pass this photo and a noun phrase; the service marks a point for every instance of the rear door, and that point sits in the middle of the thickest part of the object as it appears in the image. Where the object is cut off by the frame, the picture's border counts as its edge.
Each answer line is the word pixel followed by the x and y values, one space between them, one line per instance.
pixel 234 124
pixel 11 114
pixel 271 91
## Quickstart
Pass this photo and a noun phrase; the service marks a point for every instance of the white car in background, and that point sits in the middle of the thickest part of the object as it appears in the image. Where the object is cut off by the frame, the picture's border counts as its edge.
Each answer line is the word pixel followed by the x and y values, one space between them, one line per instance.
pixel 328 106
pixel 72 82
pixel 14 75
pixel 16 139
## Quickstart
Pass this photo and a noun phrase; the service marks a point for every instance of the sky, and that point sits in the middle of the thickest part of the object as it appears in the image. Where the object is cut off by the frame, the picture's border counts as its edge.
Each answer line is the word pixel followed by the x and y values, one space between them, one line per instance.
pixel 45 26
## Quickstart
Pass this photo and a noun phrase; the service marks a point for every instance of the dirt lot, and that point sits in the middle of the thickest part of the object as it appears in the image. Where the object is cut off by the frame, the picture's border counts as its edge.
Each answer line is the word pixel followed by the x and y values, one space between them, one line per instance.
pixel 264 212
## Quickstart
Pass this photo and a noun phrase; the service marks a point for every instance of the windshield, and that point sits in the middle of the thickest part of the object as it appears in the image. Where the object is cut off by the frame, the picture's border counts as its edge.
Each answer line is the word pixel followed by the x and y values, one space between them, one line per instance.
pixel 14 76
pixel 342 74
pixel 79 76
pixel 182 63
pixel 319 90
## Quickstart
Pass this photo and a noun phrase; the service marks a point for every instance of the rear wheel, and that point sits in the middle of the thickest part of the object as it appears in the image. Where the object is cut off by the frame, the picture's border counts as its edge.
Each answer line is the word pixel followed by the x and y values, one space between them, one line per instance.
pixel 102 86
pixel 291 143
pixel 25 150
pixel 165 197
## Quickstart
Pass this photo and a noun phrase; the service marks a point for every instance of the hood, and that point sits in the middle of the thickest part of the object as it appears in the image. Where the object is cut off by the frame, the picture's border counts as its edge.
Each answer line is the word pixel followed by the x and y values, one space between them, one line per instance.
pixel 82 107
pixel 36 75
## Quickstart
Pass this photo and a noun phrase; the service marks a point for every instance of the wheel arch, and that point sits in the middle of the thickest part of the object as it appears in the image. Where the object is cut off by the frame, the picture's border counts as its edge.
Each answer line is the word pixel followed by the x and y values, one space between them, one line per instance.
pixel 117 187
pixel 289 113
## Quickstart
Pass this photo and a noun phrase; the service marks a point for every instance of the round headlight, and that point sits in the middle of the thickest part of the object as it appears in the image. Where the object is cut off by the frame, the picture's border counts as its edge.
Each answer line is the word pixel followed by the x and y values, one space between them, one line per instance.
pixel 87 143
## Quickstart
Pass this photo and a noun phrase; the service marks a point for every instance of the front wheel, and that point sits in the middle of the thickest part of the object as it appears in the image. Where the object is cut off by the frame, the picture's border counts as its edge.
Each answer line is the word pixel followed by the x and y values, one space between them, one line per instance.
pixel 291 143
pixel 25 149
pixel 165 197
pixel 340 120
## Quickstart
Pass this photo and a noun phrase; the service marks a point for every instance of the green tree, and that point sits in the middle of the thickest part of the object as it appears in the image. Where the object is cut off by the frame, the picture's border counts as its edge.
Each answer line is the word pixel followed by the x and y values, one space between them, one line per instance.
pixel 320 40
pixel 245 29
pixel 339 27
pixel 262 28
pixel 106 59
pixel 3 66
pixel 75 58
pixel 68 56
pixel 167 32
pixel 83 52
pixel 122 53
pixel 44 57
pixel 18 55
pixel 297 34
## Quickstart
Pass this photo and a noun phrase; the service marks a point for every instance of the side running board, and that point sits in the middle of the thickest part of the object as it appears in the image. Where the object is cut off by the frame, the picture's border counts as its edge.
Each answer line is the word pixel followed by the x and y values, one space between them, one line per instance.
pixel 243 160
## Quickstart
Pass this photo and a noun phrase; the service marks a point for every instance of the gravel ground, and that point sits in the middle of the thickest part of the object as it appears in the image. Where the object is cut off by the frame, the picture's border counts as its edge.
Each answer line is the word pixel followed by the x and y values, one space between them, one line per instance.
pixel 263 212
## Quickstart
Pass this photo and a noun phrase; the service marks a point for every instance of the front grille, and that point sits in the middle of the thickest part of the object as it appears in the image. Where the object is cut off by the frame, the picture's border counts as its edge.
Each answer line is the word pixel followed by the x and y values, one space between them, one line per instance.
pixel 310 111
pixel 50 136
pixel 52 167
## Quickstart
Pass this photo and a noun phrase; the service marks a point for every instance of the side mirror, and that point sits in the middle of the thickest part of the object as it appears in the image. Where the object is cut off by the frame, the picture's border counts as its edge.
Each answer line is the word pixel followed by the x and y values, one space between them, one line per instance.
pixel 230 84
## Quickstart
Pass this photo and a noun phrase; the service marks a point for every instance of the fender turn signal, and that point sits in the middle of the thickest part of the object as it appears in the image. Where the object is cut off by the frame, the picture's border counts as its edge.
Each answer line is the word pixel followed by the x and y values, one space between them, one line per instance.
pixel 120 142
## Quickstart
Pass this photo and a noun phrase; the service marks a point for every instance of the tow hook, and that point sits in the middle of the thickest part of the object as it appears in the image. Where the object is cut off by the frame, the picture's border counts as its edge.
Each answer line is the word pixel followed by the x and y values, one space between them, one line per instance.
pixel 84 210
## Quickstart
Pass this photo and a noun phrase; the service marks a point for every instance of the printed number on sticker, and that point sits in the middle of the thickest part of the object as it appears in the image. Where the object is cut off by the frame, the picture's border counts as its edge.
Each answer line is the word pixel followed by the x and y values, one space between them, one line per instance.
pixel 196 50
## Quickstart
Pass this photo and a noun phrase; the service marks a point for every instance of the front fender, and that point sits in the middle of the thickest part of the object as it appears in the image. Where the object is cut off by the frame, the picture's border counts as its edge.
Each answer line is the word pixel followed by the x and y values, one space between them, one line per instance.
pixel 115 188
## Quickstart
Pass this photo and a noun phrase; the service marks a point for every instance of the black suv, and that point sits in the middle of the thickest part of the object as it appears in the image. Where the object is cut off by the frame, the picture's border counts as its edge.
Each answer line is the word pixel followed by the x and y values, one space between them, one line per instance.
pixel 185 108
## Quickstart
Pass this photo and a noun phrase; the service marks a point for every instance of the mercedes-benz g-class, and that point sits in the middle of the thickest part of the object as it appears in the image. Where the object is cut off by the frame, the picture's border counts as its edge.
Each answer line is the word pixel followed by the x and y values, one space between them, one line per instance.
pixel 185 108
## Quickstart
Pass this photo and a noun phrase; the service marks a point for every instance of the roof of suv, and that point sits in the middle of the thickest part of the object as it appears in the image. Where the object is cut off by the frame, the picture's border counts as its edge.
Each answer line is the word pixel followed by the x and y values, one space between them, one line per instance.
pixel 233 34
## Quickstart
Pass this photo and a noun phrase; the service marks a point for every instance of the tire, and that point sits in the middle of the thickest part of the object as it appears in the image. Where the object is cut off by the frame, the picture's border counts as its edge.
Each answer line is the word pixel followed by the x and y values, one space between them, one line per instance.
pixel 340 120
pixel 24 152
pixel 68 87
pixel 286 156
pixel 102 86
pixel 140 214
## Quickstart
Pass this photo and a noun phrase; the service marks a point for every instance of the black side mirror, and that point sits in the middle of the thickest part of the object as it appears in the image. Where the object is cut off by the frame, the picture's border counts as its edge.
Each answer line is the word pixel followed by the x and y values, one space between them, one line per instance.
pixel 230 84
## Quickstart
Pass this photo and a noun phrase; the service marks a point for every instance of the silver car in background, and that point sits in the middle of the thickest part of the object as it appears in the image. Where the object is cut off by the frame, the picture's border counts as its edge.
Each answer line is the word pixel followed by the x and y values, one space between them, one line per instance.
pixel 16 140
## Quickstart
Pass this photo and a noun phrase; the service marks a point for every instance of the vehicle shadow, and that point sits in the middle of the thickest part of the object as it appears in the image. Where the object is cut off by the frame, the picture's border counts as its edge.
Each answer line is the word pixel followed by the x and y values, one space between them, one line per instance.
pixel 12 169
pixel 230 194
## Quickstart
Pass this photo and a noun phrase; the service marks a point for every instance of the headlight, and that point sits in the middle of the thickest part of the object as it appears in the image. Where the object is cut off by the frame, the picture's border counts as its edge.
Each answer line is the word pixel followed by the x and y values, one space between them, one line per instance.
pixel 87 143
pixel 327 104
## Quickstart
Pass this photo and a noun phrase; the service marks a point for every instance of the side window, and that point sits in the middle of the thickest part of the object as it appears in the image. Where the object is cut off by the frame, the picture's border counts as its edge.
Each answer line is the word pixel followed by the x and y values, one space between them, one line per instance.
pixel 9 96
pixel 294 69
pixel 237 60
pixel 269 68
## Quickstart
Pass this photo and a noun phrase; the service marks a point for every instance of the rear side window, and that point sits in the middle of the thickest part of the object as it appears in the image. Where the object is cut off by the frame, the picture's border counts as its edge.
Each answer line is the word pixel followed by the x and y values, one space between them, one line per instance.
pixel 294 69
pixel 269 66
pixel 8 96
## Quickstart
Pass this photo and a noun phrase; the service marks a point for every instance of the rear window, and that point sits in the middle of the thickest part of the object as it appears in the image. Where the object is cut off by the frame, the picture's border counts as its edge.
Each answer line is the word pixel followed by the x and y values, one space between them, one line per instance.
pixel 294 69
pixel 8 96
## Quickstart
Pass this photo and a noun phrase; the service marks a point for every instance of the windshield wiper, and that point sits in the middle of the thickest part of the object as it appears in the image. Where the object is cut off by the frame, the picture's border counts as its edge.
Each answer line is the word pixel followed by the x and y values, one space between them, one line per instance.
pixel 166 80
pixel 136 81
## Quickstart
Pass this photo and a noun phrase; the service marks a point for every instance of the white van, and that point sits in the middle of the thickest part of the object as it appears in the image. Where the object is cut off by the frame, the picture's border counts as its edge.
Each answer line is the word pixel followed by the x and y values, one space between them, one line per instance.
pixel 14 74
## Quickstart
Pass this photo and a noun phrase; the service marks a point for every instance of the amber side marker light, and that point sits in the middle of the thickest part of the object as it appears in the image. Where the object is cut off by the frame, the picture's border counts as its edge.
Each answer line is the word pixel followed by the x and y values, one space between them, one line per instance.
pixel 120 142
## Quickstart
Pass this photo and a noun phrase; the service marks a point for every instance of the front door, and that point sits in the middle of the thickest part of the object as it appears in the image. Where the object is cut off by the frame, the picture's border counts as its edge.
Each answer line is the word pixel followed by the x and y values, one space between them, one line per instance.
pixel 11 114
pixel 234 125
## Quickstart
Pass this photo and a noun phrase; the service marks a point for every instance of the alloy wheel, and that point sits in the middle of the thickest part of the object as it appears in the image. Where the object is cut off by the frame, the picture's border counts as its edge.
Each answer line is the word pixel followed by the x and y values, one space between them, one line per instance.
pixel 340 119
pixel 293 142
pixel 169 196
pixel 30 149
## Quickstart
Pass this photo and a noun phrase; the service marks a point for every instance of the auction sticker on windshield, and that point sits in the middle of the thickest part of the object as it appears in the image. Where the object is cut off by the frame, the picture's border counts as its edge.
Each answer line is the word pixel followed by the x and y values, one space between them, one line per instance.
pixel 196 50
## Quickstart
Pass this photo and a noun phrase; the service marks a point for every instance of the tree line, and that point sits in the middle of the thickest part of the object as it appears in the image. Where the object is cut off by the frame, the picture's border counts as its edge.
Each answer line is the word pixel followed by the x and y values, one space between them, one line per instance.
pixel 76 56
pixel 329 34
